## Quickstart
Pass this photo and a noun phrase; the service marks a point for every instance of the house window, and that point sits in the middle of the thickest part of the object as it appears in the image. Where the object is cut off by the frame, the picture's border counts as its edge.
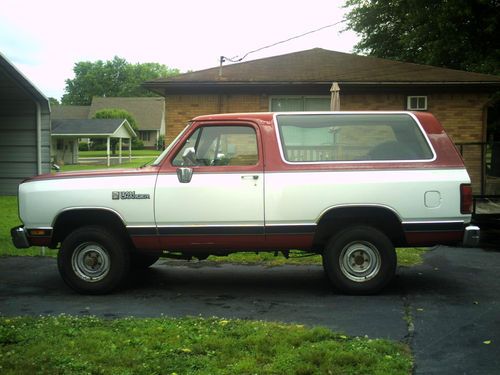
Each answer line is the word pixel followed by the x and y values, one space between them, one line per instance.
pixel 417 103
pixel 299 103
pixel 144 136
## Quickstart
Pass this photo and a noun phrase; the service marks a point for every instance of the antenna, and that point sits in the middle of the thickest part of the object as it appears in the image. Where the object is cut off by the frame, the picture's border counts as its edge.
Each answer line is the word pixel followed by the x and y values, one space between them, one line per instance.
pixel 236 59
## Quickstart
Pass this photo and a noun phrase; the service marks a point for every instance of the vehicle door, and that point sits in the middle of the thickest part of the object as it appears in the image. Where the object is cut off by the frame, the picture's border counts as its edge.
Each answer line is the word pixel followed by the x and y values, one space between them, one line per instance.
pixel 210 190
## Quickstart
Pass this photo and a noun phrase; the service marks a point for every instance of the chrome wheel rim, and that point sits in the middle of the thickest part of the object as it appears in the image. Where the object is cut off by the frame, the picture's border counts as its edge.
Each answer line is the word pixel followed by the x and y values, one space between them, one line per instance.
pixel 90 262
pixel 360 261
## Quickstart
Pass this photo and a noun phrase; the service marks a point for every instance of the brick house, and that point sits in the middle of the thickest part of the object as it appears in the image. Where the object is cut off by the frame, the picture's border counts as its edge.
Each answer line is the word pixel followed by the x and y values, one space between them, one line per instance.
pixel 302 81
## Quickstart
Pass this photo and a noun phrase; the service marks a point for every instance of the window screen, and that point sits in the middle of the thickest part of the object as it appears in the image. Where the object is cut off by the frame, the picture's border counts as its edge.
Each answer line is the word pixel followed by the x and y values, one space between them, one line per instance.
pixel 360 137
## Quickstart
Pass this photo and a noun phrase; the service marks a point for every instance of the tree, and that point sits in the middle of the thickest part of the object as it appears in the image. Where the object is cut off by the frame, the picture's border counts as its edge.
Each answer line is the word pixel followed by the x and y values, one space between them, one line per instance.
pixel 110 113
pixel 112 78
pixel 53 101
pixel 459 34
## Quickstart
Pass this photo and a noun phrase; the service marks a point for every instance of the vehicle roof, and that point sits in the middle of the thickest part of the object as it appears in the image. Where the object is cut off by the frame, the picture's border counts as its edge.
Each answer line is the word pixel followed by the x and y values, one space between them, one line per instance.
pixel 428 121
pixel 267 116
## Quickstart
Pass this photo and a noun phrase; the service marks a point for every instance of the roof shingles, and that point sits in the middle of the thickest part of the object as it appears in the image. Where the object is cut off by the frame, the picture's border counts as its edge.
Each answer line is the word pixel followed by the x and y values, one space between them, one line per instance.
pixel 320 65
pixel 86 127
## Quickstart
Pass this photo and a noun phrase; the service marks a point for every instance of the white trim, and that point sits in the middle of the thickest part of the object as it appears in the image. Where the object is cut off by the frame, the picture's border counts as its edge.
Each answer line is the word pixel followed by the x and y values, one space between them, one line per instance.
pixel 38 137
pixel 417 108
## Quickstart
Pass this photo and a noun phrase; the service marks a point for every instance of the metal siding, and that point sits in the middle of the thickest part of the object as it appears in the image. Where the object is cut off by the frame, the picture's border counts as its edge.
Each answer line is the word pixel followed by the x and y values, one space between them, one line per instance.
pixel 19 122
pixel 16 153
pixel 16 108
pixel 18 170
pixel 18 144
pixel 18 129
pixel 18 138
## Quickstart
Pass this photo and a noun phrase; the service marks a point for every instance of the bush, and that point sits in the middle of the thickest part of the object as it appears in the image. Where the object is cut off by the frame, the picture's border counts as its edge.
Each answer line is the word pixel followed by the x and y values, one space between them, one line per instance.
pixel 83 146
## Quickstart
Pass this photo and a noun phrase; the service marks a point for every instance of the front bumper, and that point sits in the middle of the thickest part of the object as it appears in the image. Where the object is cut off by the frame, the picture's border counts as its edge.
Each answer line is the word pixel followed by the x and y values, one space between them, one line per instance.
pixel 472 235
pixel 19 237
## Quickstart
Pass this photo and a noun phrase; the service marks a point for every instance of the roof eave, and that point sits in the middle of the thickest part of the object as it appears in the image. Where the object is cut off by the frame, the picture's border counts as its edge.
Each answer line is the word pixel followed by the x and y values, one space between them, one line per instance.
pixel 199 87
pixel 81 135
pixel 24 82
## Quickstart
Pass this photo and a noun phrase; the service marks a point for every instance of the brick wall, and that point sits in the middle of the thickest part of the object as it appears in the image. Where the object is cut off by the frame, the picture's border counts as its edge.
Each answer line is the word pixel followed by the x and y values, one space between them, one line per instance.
pixel 462 115
pixel 182 108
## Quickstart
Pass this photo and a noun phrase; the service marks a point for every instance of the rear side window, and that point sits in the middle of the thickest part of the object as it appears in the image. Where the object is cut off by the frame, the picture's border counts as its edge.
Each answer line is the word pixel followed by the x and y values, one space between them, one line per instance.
pixel 349 137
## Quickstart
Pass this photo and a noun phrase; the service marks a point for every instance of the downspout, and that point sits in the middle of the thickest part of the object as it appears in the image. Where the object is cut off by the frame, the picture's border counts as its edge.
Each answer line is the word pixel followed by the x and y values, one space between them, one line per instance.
pixel 38 137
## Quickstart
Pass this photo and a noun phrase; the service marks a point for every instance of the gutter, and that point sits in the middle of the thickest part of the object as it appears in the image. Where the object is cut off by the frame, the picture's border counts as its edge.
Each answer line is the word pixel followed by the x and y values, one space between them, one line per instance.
pixel 38 137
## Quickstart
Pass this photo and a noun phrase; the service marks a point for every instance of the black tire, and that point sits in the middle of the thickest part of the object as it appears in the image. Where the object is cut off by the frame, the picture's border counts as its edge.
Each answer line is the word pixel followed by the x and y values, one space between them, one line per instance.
pixel 93 260
pixel 360 260
pixel 142 261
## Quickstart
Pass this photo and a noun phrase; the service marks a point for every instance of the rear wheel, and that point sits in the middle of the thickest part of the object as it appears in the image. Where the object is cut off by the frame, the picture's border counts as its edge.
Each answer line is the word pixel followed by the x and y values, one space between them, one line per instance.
pixel 360 260
pixel 93 260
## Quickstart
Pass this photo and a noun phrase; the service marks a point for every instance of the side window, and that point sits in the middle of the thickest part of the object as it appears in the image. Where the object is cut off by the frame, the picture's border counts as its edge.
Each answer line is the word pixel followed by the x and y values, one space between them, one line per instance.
pixel 219 146
pixel 318 138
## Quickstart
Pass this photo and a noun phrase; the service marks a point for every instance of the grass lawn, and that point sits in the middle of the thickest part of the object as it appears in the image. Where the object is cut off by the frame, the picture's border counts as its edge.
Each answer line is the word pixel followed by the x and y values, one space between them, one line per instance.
pixel 68 345
pixel 135 163
pixel 407 257
pixel 135 153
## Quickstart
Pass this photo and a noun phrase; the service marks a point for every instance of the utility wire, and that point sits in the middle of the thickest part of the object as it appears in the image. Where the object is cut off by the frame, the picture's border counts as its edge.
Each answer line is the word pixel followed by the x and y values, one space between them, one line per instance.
pixel 236 59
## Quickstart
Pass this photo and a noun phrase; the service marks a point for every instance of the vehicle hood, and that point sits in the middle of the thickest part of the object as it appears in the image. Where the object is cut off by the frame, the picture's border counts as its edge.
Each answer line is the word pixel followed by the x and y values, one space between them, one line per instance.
pixel 94 173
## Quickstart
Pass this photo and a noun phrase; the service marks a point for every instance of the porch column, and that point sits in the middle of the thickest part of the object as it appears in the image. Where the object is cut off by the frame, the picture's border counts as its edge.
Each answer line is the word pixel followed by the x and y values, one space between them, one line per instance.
pixel 107 151
pixel 130 149
pixel 120 150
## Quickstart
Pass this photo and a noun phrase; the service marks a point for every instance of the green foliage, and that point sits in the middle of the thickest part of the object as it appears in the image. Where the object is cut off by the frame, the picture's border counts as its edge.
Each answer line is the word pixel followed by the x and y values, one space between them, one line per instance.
pixel 111 78
pixel 69 345
pixel 53 101
pixel 461 34
pixel 407 257
pixel 108 113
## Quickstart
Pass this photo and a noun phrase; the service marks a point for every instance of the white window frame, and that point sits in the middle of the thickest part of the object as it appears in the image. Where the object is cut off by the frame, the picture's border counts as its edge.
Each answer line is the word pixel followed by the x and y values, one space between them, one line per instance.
pixel 417 108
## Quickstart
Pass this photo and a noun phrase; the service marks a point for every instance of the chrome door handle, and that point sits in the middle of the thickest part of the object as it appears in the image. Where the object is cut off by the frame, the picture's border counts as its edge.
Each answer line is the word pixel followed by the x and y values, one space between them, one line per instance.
pixel 254 177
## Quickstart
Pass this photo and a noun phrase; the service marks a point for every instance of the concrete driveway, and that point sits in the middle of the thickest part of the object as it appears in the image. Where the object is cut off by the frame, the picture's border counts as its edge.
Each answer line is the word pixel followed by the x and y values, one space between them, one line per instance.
pixel 447 310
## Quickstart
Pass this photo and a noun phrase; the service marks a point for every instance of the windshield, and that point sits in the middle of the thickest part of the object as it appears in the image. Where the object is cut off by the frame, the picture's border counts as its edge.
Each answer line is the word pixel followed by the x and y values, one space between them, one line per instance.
pixel 170 146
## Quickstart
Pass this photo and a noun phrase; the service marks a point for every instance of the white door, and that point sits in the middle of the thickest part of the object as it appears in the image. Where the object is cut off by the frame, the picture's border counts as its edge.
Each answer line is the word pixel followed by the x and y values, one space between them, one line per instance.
pixel 221 193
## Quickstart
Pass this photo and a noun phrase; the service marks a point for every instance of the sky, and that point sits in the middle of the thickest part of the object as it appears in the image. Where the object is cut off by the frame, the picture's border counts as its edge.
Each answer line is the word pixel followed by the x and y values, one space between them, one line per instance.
pixel 44 39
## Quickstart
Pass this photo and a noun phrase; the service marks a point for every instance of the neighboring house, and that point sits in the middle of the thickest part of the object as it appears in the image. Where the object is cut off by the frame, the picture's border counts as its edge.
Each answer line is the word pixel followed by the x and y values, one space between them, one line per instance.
pixel 70 112
pixel 302 81
pixel 148 112
pixel 66 133
pixel 24 129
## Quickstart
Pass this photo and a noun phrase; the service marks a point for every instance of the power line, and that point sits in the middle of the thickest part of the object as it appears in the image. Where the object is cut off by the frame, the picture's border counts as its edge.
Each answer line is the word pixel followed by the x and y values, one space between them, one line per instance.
pixel 236 59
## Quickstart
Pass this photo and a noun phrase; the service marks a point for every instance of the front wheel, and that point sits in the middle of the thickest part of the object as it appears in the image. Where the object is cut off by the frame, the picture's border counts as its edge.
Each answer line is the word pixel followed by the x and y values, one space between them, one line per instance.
pixel 93 260
pixel 360 260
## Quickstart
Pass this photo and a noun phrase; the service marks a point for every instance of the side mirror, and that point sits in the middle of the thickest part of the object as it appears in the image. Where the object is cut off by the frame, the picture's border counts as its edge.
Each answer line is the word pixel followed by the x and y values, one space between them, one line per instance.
pixel 184 175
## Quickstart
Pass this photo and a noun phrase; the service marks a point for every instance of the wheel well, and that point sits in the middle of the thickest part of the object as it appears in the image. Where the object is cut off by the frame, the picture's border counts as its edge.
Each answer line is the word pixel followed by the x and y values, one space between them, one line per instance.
pixel 339 218
pixel 68 221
